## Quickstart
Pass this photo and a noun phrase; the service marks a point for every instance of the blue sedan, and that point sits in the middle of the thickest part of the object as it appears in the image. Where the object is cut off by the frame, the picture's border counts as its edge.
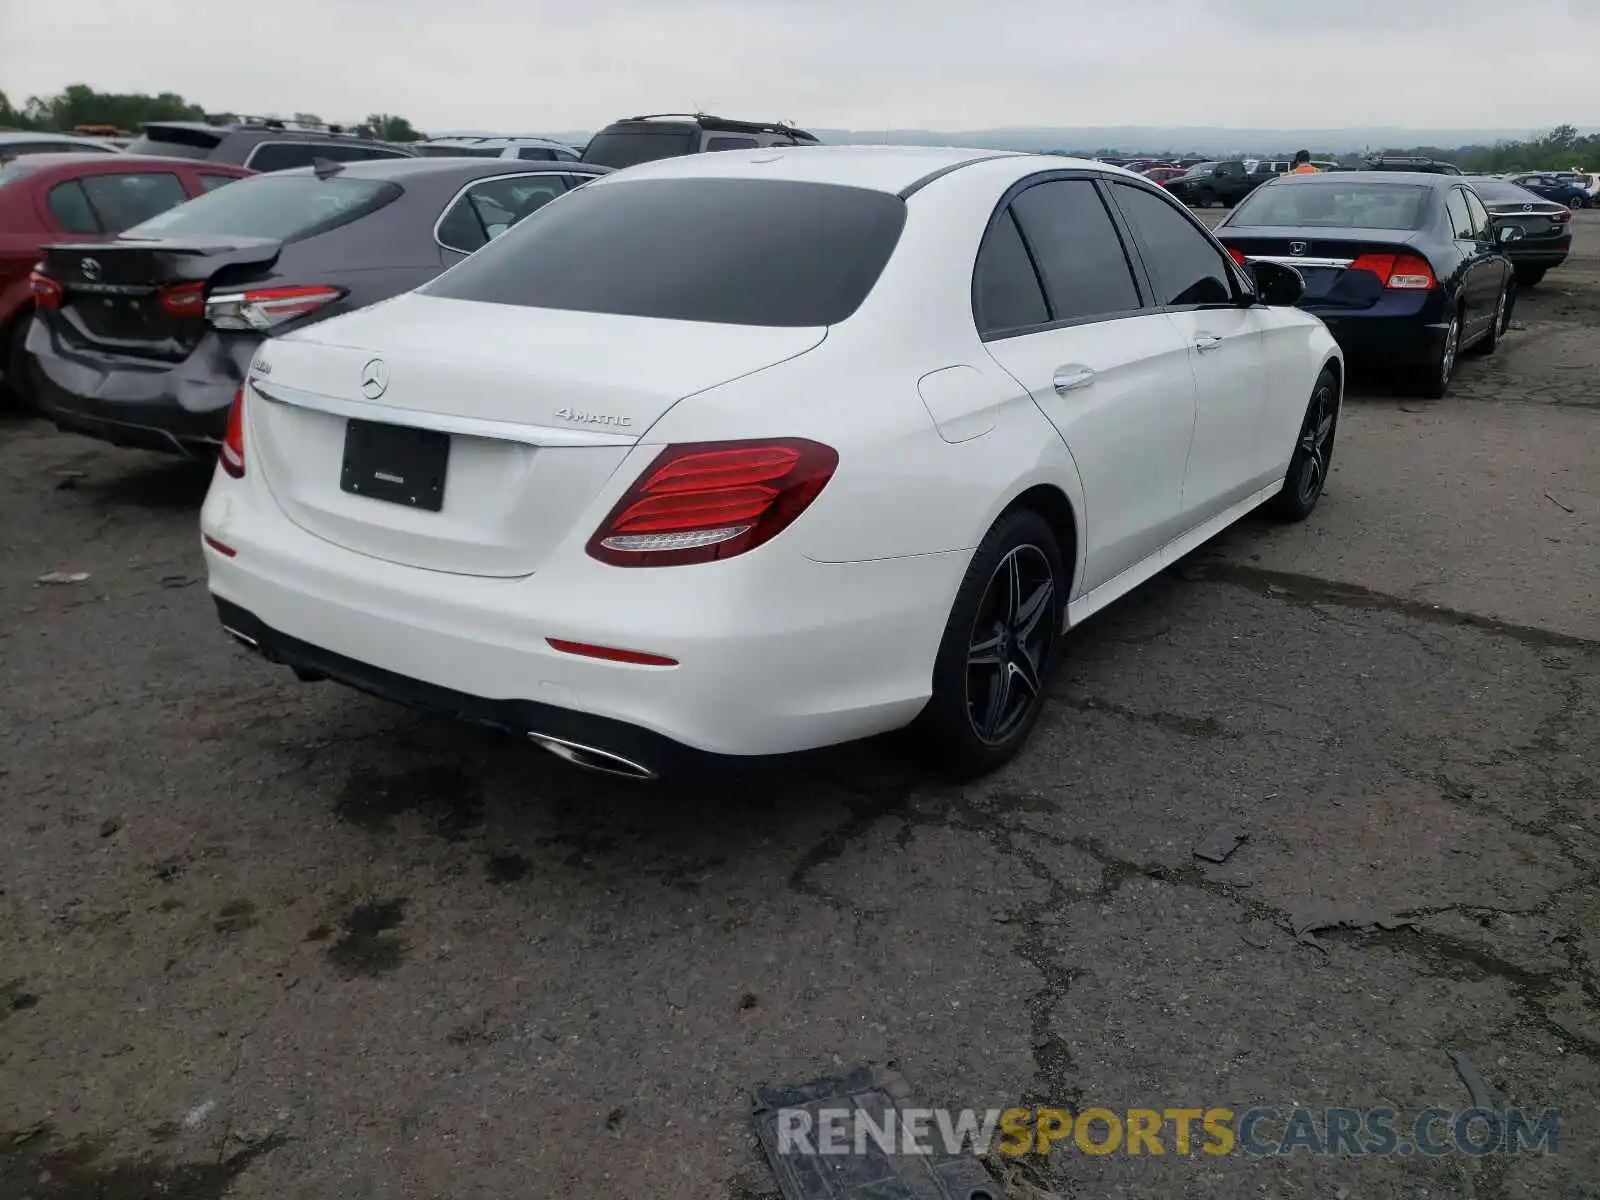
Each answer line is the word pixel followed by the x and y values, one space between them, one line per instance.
pixel 1563 189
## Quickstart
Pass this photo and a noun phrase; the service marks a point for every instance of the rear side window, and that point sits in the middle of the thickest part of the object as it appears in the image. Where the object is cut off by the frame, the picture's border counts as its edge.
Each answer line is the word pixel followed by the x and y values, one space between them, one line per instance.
pixel 1460 219
pixel 1006 294
pixel 628 148
pixel 286 207
pixel 124 200
pixel 730 143
pixel 1184 266
pixel 177 142
pixel 70 207
pixel 1080 256
pixel 730 251
pixel 458 151
pixel 536 154
pixel 488 209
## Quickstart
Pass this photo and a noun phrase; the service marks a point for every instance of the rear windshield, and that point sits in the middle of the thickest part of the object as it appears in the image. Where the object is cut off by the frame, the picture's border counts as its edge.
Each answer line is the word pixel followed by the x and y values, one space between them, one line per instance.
pixel 1335 204
pixel 176 142
pixel 456 151
pixel 285 207
pixel 731 251
pixel 1501 191
pixel 630 147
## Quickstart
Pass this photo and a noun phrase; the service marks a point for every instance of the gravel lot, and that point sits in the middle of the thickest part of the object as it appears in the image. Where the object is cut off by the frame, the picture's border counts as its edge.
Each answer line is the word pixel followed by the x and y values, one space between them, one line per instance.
pixel 266 939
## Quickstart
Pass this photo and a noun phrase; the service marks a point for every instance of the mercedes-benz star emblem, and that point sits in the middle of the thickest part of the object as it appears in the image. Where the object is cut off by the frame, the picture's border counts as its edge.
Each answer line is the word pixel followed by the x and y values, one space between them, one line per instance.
pixel 1297 247
pixel 374 378
pixel 91 268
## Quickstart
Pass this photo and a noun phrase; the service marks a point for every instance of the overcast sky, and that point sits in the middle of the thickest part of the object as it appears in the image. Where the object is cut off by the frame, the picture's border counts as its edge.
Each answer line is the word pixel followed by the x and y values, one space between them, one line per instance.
pixel 858 64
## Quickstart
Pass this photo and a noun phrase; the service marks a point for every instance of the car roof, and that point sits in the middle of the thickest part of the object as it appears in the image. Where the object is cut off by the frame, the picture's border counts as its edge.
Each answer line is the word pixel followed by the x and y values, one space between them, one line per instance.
pixel 478 139
pixel 879 168
pixel 398 170
pixel 70 160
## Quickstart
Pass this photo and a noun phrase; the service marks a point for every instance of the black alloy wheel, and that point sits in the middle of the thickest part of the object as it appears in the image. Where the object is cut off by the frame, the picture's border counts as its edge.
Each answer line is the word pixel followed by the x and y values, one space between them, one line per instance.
pixel 1307 476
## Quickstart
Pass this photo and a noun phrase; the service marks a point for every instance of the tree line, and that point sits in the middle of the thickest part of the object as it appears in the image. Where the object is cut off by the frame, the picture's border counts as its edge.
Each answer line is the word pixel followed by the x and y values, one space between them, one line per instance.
pixel 1560 149
pixel 80 104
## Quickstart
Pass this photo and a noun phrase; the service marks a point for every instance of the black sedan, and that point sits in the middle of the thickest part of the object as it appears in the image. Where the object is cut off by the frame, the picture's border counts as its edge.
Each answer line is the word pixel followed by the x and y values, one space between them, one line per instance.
pixel 1546 226
pixel 144 339
pixel 1406 270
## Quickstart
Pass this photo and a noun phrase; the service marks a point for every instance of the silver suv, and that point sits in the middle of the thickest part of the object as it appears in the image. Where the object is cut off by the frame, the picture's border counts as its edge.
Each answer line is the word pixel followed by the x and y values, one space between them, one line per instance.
pixel 636 140
pixel 495 145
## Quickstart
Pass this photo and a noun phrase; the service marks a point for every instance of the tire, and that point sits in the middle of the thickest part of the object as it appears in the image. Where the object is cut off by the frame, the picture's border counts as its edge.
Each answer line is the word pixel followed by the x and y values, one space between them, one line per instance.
pixel 1528 277
pixel 1490 341
pixel 1576 203
pixel 998 650
pixel 16 394
pixel 1204 198
pixel 1433 382
pixel 1307 476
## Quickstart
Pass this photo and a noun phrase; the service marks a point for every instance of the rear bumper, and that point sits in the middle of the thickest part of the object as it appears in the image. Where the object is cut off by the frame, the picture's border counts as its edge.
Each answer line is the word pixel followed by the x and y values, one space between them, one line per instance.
pixel 178 407
pixel 1398 341
pixel 776 653
pixel 1543 257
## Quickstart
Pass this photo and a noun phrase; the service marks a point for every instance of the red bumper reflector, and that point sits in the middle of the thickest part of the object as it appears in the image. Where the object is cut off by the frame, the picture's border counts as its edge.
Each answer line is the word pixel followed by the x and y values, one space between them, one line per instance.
pixel 221 548
pixel 611 653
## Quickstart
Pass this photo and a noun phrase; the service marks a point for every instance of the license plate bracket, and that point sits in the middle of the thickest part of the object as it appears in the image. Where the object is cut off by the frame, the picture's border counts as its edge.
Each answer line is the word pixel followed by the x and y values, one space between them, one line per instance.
pixel 395 463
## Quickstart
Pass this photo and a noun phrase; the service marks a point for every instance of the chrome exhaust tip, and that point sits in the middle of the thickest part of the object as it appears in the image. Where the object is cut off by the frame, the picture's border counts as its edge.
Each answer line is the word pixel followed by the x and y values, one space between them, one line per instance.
pixel 592 758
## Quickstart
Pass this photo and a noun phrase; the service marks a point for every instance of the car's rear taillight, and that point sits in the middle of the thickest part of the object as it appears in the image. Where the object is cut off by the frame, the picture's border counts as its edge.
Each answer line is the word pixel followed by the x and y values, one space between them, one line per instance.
pixel 262 308
pixel 1402 272
pixel 183 299
pixel 703 501
pixel 231 455
pixel 45 290
pixel 1564 215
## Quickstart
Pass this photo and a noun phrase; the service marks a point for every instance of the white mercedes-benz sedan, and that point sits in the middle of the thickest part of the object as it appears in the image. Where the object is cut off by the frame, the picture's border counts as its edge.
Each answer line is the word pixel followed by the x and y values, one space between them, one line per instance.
pixel 739 454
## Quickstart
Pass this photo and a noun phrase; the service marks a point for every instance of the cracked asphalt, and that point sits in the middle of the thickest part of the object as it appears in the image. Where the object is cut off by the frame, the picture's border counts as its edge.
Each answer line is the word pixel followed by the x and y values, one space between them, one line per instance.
pixel 269 939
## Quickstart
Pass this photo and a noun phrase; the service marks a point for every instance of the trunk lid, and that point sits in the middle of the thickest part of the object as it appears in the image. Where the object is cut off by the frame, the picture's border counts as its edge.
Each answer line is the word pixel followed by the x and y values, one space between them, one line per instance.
pixel 529 412
pixel 1323 256
pixel 1543 219
pixel 112 291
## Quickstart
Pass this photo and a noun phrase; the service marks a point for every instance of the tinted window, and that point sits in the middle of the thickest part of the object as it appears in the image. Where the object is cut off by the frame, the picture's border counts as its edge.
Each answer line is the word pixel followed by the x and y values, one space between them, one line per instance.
pixel 536 154
pixel 733 251
pixel 490 208
pixel 1080 256
pixel 272 206
pixel 1005 288
pixel 1340 203
pixel 627 148
pixel 730 143
pixel 458 151
pixel 1500 191
pixel 70 207
pixel 1184 266
pixel 124 200
pixel 177 142
pixel 280 156
pixel 1460 220
pixel 1480 214
pixel 212 182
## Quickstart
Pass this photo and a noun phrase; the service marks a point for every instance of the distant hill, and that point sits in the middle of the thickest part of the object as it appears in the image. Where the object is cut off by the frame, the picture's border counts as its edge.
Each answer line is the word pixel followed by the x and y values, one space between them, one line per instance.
pixel 1153 140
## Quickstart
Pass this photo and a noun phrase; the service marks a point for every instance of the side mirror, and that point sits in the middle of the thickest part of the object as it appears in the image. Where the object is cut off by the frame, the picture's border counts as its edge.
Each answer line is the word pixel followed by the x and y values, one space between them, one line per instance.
pixel 1277 284
pixel 1510 233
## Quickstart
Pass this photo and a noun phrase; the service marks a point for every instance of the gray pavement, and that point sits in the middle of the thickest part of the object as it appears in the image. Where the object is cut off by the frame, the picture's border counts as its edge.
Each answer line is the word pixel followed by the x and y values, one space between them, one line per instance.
pixel 265 939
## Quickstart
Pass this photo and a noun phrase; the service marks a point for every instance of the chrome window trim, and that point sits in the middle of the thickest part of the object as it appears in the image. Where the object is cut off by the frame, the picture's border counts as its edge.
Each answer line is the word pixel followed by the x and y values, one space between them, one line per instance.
pixel 478 427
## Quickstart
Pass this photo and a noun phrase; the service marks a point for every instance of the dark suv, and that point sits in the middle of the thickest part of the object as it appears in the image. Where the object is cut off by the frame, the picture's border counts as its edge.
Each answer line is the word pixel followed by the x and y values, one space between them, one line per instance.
pixel 1225 183
pixel 668 135
pixel 1398 162
pixel 260 143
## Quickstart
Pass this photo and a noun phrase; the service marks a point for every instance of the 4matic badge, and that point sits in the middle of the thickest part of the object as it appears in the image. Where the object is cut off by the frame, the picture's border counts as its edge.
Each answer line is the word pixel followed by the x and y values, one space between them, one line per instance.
pixel 585 417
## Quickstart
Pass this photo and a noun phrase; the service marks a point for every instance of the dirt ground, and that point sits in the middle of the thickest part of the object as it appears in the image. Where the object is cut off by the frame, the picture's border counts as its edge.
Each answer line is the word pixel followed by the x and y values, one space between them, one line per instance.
pixel 268 939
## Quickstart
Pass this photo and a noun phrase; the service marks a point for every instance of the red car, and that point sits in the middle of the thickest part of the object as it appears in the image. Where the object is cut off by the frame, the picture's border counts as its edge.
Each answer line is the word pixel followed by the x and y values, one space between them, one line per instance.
pixel 1163 174
pixel 47 198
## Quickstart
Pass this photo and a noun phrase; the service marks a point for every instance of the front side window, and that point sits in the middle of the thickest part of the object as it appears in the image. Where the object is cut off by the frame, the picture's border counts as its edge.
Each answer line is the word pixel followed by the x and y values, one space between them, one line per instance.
pixel 1077 249
pixel 761 252
pixel 121 201
pixel 1184 266
pixel 1006 294
pixel 488 209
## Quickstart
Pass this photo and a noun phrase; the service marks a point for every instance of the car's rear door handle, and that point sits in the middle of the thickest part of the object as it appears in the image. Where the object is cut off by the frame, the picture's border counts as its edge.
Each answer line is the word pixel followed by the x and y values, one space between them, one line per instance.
pixel 1206 341
pixel 1072 377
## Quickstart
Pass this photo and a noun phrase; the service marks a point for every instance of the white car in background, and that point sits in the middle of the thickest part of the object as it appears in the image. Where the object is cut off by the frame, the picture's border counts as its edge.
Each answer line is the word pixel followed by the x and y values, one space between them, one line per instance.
pixel 740 454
